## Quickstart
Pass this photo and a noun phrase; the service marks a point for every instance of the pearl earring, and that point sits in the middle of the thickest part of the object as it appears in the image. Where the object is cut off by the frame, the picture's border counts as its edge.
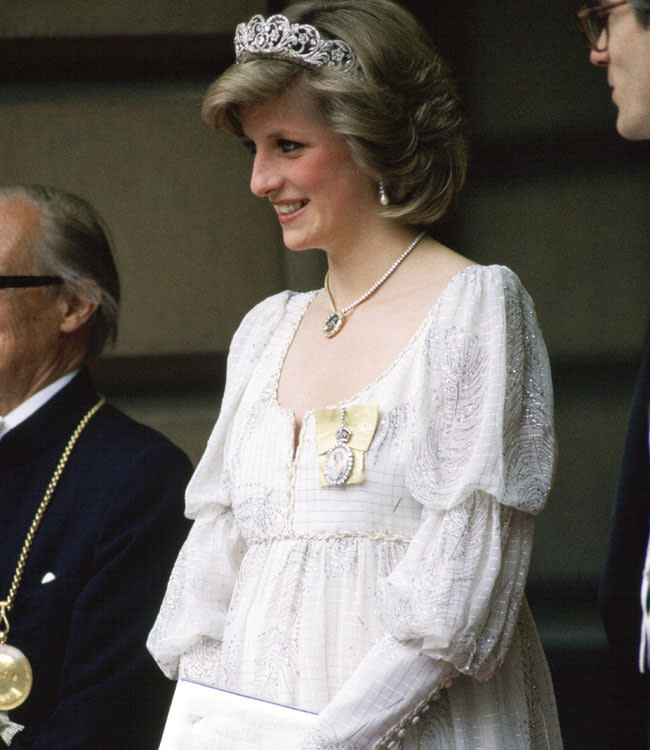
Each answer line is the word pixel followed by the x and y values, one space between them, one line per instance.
pixel 383 198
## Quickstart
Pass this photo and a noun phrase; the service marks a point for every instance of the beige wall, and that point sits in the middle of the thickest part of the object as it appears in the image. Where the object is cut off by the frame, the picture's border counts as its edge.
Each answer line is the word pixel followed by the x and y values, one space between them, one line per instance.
pixel 580 247
pixel 85 17
pixel 195 250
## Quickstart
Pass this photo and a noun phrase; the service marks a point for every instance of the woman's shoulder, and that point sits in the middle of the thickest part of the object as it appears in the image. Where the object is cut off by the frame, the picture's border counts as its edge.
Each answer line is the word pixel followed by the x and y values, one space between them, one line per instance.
pixel 450 276
pixel 268 306
pixel 260 323
pixel 265 315
pixel 478 275
pixel 482 285
pixel 480 300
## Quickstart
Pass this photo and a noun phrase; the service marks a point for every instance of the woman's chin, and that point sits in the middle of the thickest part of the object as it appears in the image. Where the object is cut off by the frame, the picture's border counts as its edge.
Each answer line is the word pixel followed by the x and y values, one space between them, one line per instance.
pixel 296 244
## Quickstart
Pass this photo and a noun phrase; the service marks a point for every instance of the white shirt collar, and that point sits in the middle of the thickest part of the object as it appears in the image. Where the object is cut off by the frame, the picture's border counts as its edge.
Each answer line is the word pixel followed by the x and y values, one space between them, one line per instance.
pixel 33 403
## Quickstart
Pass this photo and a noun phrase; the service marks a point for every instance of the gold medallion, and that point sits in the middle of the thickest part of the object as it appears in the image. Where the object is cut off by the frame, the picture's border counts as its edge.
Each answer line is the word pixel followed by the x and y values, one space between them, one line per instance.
pixel 15 670
pixel 15 677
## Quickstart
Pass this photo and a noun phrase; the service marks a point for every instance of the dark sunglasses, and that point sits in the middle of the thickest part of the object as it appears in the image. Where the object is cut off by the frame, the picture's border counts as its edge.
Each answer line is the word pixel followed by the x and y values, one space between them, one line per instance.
pixel 19 282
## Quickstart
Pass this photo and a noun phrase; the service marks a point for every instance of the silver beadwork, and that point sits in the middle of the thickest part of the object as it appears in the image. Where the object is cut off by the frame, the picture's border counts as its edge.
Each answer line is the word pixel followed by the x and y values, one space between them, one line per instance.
pixel 277 37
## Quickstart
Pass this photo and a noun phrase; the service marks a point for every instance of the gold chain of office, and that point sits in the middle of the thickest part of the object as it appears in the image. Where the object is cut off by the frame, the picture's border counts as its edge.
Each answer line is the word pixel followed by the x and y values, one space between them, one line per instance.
pixel 6 604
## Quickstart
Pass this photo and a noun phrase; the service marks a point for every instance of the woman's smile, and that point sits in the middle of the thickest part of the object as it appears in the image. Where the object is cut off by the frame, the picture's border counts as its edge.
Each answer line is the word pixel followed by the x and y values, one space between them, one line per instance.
pixel 289 210
pixel 306 171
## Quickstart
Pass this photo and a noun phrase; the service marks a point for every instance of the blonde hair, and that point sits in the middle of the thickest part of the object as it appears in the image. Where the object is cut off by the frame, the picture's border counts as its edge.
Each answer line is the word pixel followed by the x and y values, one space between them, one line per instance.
pixel 400 113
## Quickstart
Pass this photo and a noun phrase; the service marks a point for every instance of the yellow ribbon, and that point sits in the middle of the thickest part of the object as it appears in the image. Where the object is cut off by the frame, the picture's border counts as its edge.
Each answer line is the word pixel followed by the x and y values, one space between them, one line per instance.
pixel 361 420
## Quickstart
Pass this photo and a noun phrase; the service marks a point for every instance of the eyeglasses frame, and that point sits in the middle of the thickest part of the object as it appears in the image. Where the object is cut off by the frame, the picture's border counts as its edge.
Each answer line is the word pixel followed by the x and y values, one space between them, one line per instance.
pixel 598 10
pixel 22 282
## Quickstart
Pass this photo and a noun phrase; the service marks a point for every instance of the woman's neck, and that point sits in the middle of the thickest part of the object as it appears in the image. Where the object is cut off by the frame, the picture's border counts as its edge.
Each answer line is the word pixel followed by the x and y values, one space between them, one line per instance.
pixel 354 269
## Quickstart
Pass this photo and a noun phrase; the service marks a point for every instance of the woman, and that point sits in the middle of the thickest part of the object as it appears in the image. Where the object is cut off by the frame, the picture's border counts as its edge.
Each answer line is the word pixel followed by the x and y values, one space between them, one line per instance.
pixel 364 509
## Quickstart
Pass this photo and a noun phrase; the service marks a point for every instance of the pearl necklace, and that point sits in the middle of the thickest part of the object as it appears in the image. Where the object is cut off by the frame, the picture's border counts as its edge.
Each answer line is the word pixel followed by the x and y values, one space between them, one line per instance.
pixel 334 320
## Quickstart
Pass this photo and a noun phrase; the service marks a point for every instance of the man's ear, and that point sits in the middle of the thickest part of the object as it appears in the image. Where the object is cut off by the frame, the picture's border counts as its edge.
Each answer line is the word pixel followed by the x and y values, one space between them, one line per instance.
pixel 77 311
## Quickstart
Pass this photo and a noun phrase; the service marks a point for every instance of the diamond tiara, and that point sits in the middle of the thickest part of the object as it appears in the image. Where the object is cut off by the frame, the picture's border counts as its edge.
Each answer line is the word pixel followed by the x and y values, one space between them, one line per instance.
pixel 277 37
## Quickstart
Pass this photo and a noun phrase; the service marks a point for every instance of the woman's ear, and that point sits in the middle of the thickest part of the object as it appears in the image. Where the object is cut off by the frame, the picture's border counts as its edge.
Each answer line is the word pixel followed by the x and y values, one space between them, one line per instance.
pixel 77 310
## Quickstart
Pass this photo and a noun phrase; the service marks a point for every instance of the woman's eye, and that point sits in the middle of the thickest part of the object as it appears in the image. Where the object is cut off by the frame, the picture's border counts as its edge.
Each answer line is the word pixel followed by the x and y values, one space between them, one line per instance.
pixel 288 146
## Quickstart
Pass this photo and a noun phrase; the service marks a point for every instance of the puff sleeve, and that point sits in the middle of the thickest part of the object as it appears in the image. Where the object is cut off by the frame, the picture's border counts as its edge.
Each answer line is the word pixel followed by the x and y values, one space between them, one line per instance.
pixel 481 465
pixel 198 593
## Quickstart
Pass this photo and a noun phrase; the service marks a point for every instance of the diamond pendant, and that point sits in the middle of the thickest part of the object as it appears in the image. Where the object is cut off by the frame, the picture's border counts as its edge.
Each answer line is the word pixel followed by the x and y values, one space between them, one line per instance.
pixel 15 677
pixel 332 324
pixel 339 459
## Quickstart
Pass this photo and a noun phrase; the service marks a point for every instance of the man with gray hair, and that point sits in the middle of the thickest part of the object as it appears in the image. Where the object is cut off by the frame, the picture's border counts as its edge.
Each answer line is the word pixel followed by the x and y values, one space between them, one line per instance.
pixel 618 34
pixel 91 501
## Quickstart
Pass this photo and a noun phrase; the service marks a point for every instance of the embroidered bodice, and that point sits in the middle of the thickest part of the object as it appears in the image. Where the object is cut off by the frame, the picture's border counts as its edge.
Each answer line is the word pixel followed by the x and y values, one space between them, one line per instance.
pixel 321 596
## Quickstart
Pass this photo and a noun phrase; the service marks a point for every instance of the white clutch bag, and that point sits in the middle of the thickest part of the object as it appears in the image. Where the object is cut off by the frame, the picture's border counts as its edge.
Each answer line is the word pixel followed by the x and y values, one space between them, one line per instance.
pixel 206 718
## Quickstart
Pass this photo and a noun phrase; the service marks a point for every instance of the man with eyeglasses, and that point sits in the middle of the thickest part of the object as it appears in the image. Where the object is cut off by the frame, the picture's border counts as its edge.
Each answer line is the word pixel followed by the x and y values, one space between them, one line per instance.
pixel 618 34
pixel 91 502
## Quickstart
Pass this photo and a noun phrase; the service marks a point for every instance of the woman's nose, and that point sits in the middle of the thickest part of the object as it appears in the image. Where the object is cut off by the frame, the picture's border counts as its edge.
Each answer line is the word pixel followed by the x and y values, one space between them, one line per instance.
pixel 264 177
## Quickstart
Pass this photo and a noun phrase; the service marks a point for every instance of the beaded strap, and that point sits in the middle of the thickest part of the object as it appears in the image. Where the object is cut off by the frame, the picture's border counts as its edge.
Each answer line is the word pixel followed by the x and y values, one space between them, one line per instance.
pixel 374 535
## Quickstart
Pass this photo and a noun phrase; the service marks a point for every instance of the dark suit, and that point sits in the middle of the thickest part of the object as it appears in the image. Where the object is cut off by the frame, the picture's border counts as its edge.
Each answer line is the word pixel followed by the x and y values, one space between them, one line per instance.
pixel 109 536
pixel 620 587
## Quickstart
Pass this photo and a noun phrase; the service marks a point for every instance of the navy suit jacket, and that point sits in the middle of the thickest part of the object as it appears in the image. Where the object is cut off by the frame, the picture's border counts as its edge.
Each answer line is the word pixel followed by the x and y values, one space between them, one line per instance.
pixel 109 536
pixel 620 586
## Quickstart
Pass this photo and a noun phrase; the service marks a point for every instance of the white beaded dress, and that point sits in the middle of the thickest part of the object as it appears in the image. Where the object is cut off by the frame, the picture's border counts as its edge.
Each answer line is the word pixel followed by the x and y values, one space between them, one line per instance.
pixel 394 607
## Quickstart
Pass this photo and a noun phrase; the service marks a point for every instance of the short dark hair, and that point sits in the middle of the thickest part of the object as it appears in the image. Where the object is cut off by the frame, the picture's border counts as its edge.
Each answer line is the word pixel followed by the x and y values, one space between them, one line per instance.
pixel 74 244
